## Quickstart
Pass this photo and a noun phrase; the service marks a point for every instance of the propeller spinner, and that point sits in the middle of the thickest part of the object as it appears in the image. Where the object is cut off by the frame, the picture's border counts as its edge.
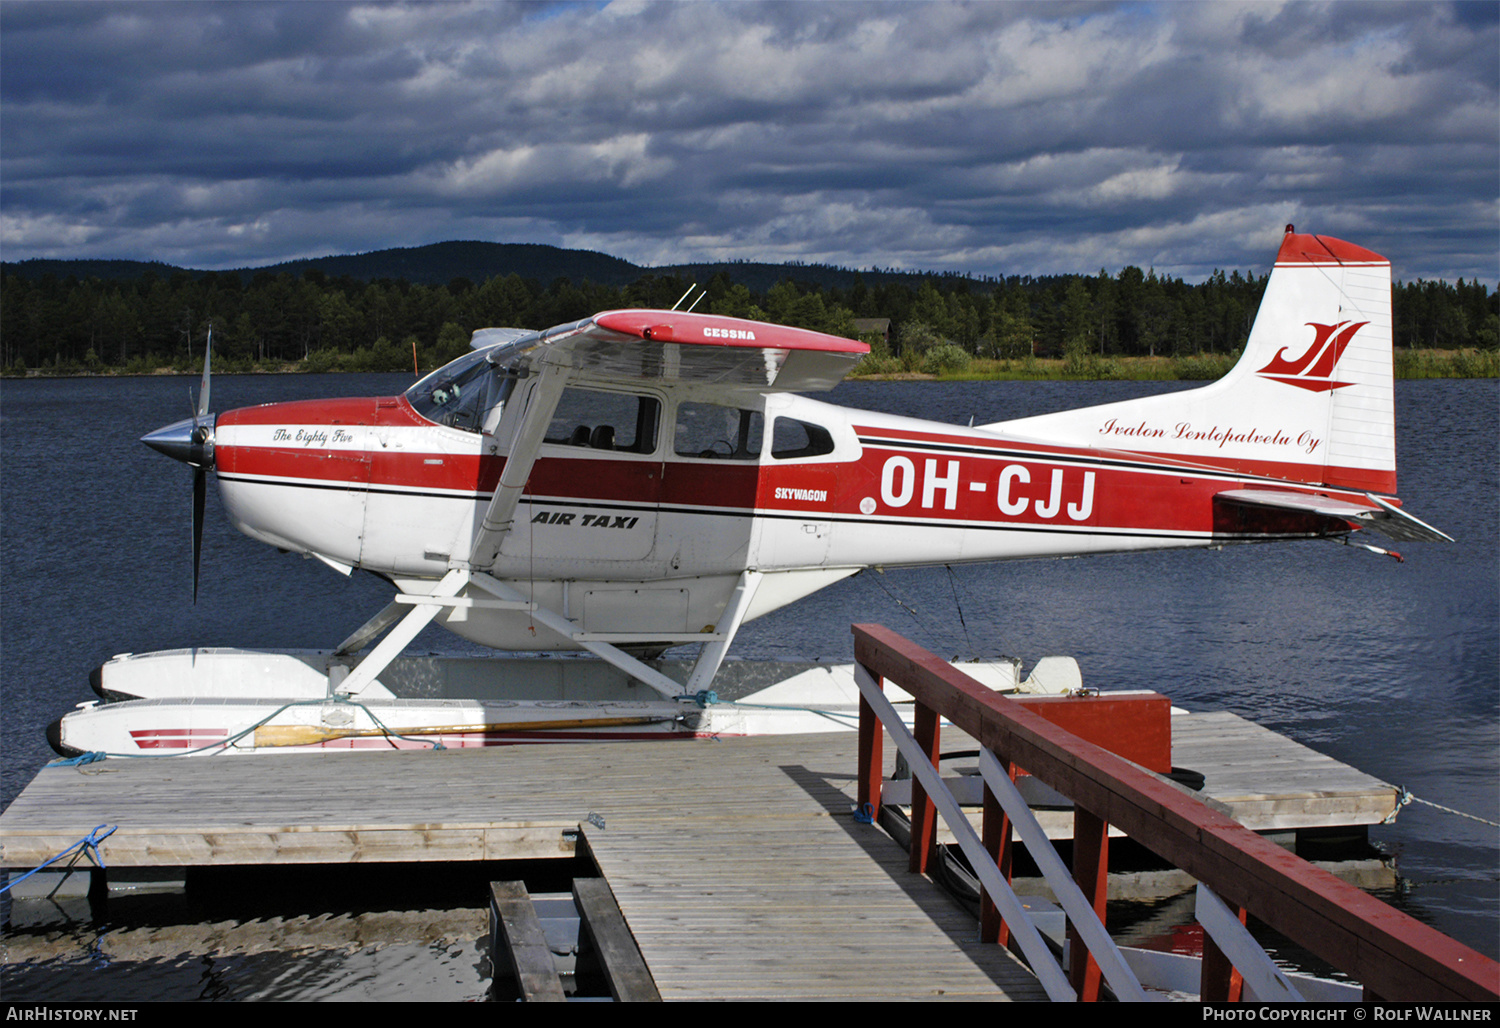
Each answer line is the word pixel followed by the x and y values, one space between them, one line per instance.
pixel 191 441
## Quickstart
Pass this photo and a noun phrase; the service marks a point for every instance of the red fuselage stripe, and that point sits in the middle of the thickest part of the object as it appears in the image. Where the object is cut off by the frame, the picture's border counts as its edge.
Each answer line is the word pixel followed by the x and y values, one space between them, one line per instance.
pixel 905 476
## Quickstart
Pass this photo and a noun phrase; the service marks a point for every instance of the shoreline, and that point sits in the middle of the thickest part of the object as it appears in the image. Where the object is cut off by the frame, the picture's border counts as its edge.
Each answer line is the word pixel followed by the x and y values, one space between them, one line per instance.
pixel 1410 364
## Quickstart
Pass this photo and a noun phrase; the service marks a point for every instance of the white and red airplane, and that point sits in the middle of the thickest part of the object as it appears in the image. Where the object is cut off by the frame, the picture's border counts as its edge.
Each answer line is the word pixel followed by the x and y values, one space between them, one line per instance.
pixel 647 478
pixel 644 478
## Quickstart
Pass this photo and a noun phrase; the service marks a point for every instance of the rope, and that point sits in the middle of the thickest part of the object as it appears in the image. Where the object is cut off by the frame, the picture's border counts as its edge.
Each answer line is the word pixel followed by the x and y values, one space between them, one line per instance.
pixel 953 585
pixel 89 843
pixel 1406 797
pixel 832 715
pixel 917 616
pixel 435 743
pixel 880 580
pixel 82 758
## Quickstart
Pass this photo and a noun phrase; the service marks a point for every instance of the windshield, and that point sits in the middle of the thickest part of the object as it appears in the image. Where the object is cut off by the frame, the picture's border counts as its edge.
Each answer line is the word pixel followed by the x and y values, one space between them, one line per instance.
pixel 460 394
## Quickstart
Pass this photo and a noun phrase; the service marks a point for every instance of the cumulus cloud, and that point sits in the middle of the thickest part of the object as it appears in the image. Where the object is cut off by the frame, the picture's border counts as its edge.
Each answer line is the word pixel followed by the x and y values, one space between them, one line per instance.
pixel 991 138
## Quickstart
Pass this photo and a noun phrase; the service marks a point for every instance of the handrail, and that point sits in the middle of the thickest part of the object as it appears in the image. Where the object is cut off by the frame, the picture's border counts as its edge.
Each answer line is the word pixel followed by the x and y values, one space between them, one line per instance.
pixel 1396 956
pixel 1028 940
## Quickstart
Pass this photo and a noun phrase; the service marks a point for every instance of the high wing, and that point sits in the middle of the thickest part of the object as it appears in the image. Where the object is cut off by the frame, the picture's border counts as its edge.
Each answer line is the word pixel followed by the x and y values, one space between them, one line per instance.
pixel 675 346
pixel 645 345
pixel 1383 517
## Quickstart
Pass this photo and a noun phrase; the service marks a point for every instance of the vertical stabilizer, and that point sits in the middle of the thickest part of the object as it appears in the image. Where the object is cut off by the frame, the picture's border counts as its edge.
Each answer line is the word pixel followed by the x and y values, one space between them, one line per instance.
pixel 1309 401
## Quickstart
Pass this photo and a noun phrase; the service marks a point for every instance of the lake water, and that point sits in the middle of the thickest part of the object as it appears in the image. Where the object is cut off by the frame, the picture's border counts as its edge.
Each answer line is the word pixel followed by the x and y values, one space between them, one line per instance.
pixel 1392 668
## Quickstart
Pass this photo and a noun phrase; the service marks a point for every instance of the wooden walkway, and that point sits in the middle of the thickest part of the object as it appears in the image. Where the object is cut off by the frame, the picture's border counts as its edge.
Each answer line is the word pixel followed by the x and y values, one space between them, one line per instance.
pixel 727 905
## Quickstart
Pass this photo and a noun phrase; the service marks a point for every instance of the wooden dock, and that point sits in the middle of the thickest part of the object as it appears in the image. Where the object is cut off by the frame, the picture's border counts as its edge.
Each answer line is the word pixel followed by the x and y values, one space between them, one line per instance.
pixel 738 865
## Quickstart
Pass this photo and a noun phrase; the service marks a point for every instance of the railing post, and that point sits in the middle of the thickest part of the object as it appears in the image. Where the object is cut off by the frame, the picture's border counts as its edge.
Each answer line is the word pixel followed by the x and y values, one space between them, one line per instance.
pixel 1091 873
pixel 871 755
pixel 998 843
pixel 1219 981
pixel 923 813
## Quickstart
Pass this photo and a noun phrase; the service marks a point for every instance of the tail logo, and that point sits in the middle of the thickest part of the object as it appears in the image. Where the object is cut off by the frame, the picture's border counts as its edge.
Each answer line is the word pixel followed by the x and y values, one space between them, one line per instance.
pixel 1313 369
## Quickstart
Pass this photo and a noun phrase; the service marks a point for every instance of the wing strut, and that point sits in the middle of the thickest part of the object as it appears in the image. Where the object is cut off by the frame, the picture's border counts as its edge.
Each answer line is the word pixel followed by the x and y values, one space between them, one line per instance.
pixel 391 646
pixel 504 596
pixel 500 514
pixel 425 607
pixel 370 629
pixel 713 653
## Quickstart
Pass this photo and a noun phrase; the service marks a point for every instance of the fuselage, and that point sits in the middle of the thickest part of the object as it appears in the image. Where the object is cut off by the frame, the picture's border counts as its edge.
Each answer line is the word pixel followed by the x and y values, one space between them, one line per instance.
pixel 646 504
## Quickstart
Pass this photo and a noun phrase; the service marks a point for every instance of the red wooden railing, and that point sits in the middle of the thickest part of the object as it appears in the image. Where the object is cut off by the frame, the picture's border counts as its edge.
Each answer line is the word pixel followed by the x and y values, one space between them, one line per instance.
pixel 1396 957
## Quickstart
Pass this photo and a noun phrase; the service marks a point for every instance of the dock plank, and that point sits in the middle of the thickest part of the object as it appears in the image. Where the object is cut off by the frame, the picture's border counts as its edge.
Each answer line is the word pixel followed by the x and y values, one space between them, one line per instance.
pixel 519 943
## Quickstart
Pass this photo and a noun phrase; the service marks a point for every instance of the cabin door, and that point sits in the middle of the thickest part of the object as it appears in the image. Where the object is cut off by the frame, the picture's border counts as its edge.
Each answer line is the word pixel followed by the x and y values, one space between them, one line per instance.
pixel 593 495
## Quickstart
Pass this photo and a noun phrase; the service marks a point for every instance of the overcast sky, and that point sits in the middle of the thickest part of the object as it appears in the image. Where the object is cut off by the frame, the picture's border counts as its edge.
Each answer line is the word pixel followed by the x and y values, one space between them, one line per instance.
pixel 992 138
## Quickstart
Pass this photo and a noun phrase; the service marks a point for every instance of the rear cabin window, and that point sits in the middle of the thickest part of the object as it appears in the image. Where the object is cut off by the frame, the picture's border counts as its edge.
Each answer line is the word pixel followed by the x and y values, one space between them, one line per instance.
pixel 791 438
pixel 709 430
pixel 597 420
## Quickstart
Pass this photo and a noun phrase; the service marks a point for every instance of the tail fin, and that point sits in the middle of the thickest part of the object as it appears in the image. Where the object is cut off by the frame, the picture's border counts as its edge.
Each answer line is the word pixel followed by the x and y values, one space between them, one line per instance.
pixel 1309 401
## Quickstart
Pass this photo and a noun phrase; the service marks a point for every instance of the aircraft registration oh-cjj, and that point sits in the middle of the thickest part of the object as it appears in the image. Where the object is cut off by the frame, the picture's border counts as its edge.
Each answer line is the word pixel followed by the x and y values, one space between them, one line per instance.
pixel 643 479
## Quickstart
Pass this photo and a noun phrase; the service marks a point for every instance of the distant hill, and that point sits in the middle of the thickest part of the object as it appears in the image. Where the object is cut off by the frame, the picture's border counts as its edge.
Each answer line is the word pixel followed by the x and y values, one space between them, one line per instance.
pixel 441 263
pixel 107 271
pixel 760 277
pixel 436 264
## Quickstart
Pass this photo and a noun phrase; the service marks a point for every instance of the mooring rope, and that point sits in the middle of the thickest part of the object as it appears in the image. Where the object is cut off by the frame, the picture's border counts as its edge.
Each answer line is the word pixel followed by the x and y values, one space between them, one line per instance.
pixel 1406 797
pixel 388 734
pixel 89 843
pixel 953 585
pixel 832 715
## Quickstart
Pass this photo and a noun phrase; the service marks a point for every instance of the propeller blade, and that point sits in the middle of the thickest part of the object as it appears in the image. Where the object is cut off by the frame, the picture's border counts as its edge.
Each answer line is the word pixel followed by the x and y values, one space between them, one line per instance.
pixel 200 494
pixel 202 434
pixel 208 354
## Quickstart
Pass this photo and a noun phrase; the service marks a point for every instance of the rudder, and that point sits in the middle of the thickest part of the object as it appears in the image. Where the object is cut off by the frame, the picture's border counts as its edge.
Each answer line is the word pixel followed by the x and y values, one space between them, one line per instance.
pixel 1310 400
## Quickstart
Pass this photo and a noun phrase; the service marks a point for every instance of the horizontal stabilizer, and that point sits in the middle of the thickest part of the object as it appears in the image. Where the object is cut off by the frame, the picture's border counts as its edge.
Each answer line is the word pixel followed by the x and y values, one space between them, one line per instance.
pixel 1402 526
pixel 1385 518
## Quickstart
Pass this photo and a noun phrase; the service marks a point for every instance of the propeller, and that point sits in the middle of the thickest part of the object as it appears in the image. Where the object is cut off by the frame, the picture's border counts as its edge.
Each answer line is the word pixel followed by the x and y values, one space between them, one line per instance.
pixel 192 442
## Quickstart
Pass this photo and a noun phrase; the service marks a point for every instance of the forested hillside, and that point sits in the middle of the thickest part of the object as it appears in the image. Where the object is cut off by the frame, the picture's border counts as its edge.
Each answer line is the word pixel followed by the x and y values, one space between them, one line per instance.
pixel 62 317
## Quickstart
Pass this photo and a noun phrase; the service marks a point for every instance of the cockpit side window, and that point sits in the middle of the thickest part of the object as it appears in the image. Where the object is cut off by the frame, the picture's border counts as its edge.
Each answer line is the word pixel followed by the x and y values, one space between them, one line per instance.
pixel 713 431
pixel 461 393
pixel 619 422
pixel 791 438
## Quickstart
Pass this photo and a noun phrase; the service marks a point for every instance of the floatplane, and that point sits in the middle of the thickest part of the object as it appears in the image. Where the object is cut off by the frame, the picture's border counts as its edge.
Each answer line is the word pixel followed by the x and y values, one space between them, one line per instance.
pixel 646 479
